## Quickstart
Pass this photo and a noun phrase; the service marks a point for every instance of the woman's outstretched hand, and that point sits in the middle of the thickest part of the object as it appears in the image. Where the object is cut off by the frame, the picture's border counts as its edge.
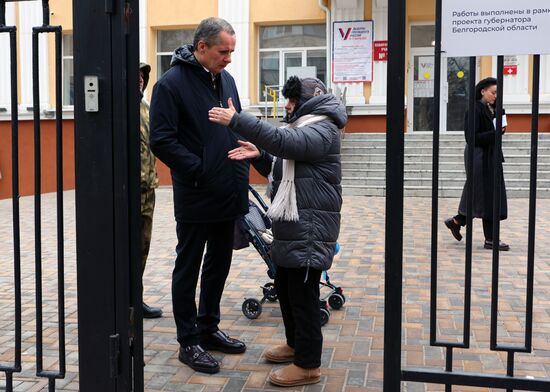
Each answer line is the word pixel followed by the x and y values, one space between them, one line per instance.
pixel 222 116
pixel 246 150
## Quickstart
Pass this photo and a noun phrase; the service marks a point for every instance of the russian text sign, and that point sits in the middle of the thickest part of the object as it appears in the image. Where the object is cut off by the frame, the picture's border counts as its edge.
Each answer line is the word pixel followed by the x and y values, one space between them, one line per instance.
pixel 495 27
pixel 352 51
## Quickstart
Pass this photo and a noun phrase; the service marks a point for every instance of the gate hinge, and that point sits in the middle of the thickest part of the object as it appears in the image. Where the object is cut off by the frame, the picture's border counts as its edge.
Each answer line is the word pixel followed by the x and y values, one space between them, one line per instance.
pixel 114 355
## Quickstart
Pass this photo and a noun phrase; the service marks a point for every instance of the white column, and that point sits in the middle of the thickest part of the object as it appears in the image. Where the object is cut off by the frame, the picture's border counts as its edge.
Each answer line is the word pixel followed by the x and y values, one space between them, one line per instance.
pixel 380 76
pixel 516 87
pixel 5 64
pixel 237 12
pixel 545 78
pixel 143 32
pixel 30 15
pixel 343 10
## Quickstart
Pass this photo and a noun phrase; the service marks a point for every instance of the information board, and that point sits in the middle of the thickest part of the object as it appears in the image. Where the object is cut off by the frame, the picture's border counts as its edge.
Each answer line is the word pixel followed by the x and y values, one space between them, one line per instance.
pixel 495 27
pixel 352 51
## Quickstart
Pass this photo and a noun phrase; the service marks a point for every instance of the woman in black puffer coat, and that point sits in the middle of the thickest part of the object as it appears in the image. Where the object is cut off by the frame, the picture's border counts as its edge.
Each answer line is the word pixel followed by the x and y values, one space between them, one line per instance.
pixel 302 161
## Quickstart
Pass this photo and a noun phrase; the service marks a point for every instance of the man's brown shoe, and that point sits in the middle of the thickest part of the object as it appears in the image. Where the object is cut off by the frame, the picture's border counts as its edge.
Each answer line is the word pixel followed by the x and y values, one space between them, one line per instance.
pixel 280 354
pixel 292 375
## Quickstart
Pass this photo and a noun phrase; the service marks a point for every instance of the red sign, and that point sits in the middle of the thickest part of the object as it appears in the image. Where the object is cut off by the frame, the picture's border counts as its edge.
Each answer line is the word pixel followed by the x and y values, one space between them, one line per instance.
pixel 511 69
pixel 380 50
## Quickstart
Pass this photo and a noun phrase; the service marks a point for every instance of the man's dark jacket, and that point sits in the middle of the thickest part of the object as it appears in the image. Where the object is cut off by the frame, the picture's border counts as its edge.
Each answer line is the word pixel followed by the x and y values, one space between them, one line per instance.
pixel 208 187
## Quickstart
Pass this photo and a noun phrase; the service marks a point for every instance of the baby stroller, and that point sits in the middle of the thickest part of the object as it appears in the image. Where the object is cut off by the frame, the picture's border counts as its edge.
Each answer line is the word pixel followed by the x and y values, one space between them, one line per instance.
pixel 257 226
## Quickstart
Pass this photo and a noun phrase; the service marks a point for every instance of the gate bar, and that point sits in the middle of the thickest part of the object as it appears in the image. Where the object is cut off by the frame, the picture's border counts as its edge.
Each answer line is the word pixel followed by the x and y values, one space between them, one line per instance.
pixel 527 346
pixel 435 209
pixel 16 367
pixel 497 185
pixel 395 140
pixel 532 203
pixel 475 380
pixel 435 173
pixel 60 373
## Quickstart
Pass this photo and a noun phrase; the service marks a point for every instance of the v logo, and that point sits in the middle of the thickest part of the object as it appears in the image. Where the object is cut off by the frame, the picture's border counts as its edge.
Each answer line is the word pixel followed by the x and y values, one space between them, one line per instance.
pixel 345 34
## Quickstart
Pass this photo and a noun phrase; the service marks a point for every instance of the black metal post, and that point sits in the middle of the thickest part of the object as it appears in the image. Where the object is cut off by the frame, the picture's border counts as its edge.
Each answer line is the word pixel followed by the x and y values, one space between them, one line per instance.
pixel 435 173
pixel 60 225
pixel 16 366
pixel 37 201
pixel 40 371
pixel 470 136
pixel 45 13
pixel 497 185
pixel 2 13
pixel 532 203
pixel 395 139
pixel 108 196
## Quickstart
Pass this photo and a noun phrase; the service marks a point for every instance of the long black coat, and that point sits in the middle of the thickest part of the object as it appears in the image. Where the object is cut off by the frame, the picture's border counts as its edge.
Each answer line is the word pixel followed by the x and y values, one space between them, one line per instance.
pixel 484 169
pixel 208 187
pixel 315 148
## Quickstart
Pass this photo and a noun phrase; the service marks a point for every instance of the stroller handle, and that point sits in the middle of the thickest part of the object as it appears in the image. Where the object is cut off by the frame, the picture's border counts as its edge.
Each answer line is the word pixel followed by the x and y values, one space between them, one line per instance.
pixel 258 197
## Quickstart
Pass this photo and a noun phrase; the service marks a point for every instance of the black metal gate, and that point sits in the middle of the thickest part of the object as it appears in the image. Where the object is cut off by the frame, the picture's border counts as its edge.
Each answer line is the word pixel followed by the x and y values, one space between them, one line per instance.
pixel 107 198
pixel 394 373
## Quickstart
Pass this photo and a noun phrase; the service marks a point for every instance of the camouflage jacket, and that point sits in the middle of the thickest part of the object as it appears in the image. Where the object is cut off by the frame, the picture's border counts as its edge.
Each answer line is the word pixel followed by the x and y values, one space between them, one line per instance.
pixel 149 177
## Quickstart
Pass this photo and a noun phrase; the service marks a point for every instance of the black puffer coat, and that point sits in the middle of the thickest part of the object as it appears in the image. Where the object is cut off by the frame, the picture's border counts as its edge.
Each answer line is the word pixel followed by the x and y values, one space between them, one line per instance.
pixel 208 187
pixel 484 167
pixel 315 148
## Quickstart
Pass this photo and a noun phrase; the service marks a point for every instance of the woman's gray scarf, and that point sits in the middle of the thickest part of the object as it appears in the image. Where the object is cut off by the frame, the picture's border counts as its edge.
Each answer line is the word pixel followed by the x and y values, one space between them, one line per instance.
pixel 284 206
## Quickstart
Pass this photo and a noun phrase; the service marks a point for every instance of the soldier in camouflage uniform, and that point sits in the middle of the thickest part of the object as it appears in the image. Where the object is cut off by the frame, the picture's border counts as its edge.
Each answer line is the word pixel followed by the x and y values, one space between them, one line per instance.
pixel 149 181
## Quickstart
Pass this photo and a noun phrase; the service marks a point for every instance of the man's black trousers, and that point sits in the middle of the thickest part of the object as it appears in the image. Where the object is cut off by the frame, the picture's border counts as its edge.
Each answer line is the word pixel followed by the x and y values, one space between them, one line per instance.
pixel 299 301
pixel 192 239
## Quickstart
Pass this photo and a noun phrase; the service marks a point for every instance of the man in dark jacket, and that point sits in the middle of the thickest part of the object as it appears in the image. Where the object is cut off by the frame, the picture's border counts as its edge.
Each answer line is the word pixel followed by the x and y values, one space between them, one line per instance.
pixel 210 190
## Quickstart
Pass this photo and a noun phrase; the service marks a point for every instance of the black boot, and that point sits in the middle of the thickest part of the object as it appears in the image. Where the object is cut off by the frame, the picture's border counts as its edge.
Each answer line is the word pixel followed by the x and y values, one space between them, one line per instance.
pixel 149 312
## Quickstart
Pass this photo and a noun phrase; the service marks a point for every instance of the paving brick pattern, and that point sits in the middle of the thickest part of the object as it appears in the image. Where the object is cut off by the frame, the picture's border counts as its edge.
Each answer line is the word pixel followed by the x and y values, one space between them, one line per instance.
pixel 353 338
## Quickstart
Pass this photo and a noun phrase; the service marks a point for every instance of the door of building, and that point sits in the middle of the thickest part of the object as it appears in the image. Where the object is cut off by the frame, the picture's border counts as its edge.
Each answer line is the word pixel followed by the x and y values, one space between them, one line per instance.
pixel 421 90
pixel 455 74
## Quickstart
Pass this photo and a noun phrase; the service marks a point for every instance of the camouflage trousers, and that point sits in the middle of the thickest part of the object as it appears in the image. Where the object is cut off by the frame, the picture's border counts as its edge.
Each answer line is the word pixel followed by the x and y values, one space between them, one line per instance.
pixel 147 208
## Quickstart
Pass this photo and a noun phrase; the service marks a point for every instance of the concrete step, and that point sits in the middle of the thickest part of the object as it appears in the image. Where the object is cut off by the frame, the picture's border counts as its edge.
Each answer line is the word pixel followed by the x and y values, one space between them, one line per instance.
pixel 444 182
pixel 422 158
pixel 427 173
pixel 349 164
pixel 426 136
pixel 426 191
pixel 364 164
pixel 444 150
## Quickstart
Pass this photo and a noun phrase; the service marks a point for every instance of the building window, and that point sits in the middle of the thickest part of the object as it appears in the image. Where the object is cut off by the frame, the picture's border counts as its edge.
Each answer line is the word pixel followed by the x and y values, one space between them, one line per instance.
pixel 422 36
pixel 68 70
pixel 291 50
pixel 167 42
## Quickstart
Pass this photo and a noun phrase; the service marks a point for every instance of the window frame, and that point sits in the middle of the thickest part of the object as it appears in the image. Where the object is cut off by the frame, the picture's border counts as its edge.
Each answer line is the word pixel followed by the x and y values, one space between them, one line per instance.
pixel 63 58
pixel 281 51
pixel 157 45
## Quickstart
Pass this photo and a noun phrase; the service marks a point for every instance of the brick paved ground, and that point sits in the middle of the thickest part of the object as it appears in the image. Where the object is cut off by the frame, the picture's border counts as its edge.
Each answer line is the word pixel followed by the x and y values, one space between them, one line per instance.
pixel 352 355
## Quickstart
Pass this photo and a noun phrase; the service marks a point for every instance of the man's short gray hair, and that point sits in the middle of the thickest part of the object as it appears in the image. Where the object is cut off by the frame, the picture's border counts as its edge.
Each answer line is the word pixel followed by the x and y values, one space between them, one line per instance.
pixel 209 31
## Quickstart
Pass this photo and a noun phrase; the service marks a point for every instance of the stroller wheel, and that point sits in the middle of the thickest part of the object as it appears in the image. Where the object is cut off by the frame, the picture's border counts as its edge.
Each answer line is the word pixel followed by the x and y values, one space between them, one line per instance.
pixel 270 292
pixel 341 292
pixel 252 308
pixel 336 301
pixel 325 315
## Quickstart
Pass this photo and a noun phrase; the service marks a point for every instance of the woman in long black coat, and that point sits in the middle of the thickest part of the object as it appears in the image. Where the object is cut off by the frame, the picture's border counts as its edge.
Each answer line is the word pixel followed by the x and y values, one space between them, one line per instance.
pixel 484 168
